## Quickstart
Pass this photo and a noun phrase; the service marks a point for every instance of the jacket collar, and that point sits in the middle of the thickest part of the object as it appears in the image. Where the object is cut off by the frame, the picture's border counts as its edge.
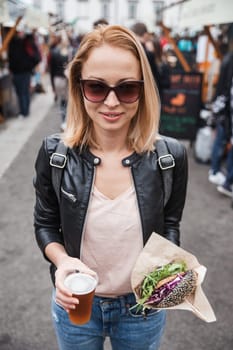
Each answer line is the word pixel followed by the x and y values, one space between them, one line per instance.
pixel 94 160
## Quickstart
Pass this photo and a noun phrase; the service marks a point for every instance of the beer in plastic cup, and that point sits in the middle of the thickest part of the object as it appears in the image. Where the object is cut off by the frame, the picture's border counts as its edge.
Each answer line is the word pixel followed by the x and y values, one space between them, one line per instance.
pixel 83 287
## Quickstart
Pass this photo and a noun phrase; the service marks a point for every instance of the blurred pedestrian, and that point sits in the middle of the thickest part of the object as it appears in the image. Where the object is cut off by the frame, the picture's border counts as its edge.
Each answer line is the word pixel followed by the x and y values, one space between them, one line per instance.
pixel 23 55
pixel 111 196
pixel 162 65
pixel 100 21
pixel 60 55
pixel 53 42
pixel 42 66
pixel 221 111
pixel 140 29
pixel 226 187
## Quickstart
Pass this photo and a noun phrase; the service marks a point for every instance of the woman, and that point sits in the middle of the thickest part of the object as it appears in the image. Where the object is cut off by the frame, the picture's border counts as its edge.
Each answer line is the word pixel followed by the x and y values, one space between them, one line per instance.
pixel 111 196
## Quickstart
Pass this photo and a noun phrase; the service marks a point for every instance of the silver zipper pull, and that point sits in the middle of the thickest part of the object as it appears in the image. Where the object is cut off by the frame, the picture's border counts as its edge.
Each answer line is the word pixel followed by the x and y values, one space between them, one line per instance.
pixel 70 195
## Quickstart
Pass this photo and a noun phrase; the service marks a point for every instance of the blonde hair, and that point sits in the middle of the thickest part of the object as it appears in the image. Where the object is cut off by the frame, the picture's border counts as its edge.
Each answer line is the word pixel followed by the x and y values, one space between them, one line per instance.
pixel 144 126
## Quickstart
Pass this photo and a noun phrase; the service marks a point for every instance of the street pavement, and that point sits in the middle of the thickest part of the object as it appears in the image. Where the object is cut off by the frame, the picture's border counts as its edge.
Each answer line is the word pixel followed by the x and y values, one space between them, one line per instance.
pixel 25 287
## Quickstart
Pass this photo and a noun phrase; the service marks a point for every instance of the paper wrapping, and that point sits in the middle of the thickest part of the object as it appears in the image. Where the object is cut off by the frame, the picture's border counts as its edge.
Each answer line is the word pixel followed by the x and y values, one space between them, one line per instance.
pixel 159 251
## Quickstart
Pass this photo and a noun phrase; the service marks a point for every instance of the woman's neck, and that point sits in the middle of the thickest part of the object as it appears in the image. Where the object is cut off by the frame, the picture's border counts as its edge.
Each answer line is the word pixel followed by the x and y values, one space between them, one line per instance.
pixel 111 143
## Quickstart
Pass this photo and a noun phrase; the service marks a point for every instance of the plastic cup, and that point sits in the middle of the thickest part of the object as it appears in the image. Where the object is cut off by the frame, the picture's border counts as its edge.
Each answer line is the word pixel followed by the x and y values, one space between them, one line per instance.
pixel 82 287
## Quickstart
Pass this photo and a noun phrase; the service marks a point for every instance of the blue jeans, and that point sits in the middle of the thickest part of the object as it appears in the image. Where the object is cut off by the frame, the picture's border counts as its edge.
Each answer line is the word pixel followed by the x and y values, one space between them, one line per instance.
pixel 113 318
pixel 22 87
pixel 229 176
pixel 218 148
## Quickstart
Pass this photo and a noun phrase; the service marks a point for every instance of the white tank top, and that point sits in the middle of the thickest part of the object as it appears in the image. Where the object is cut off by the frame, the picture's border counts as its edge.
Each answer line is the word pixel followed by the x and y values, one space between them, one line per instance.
pixel 112 241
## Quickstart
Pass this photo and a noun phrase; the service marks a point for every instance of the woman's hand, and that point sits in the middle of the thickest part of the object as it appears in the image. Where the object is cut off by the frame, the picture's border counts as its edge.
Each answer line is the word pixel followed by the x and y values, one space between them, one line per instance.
pixel 66 266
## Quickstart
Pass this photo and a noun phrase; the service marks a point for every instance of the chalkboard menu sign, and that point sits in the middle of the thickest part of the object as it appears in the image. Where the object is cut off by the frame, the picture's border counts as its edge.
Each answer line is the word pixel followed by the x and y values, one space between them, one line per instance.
pixel 181 106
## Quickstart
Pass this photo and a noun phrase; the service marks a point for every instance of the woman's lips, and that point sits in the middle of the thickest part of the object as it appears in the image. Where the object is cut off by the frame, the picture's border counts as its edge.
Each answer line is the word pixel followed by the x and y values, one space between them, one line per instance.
pixel 111 116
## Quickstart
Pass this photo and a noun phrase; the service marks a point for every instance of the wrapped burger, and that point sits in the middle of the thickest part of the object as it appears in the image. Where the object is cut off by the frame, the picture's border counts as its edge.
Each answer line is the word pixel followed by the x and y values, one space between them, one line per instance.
pixel 166 276
pixel 167 285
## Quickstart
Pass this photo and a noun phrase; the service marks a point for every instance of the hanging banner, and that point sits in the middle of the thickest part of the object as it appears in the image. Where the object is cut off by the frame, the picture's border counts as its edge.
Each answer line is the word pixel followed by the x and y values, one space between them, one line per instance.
pixel 195 13
pixel 35 18
pixel 4 15
pixel 181 105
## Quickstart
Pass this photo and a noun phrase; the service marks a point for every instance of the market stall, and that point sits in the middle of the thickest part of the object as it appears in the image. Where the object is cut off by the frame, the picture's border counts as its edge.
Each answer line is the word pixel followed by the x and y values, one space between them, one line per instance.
pixel 189 89
pixel 209 15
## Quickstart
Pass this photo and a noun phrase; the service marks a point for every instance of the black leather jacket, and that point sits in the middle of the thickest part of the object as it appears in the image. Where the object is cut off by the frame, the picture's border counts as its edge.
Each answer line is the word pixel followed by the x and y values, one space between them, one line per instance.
pixel 65 223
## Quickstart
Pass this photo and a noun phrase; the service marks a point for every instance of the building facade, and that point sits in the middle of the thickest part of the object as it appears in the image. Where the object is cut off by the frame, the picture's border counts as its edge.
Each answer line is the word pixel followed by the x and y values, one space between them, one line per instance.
pixel 83 13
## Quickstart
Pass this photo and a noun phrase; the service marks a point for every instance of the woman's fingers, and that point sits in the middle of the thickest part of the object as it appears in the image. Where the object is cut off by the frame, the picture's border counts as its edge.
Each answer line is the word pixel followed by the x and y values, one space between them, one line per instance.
pixel 63 294
pixel 66 301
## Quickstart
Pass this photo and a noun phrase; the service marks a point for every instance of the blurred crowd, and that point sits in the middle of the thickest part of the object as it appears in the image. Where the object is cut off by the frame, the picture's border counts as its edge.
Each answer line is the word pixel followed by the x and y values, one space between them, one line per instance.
pixel 31 55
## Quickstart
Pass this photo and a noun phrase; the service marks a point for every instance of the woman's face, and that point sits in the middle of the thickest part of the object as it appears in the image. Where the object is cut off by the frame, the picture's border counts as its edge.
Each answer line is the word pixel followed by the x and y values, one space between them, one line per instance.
pixel 111 65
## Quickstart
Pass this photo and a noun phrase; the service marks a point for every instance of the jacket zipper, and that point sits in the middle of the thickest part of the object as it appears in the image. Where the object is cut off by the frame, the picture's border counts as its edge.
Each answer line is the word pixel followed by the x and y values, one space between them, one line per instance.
pixel 139 211
pixel 85 220
pixel 69 195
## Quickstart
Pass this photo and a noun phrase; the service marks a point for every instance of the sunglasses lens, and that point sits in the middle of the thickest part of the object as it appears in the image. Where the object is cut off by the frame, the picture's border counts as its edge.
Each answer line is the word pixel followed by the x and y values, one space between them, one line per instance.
pixel 129 92
pixel 126 92
pixel 94 91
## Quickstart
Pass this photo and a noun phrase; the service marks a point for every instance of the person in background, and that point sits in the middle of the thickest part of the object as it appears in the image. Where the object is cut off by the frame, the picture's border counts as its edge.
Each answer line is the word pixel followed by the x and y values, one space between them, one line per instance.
pixel 111 194
pixel 60 55
pixel 221 111
pixel 162 65
pixel 38 85
pixel 53 42
pixel 101 21
pixel 226 187
pixel 140 29
pixel 24 56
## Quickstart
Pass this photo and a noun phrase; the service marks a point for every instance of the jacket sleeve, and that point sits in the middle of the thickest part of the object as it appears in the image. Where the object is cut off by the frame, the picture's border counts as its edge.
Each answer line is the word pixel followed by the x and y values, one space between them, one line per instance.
pixel 175 205
pixel 46 209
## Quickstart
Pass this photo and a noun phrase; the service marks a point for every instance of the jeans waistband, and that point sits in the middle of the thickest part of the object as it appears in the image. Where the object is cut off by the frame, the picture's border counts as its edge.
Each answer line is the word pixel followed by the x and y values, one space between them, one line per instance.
pixel 121 299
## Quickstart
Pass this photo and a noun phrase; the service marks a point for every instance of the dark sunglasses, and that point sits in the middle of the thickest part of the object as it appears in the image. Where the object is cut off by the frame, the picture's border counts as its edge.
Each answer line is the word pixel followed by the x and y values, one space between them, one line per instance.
pixel 97 91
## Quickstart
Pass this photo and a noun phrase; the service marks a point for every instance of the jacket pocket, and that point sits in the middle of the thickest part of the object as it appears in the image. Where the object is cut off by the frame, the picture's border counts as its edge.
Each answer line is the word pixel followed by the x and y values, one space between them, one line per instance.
pixel 72 198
